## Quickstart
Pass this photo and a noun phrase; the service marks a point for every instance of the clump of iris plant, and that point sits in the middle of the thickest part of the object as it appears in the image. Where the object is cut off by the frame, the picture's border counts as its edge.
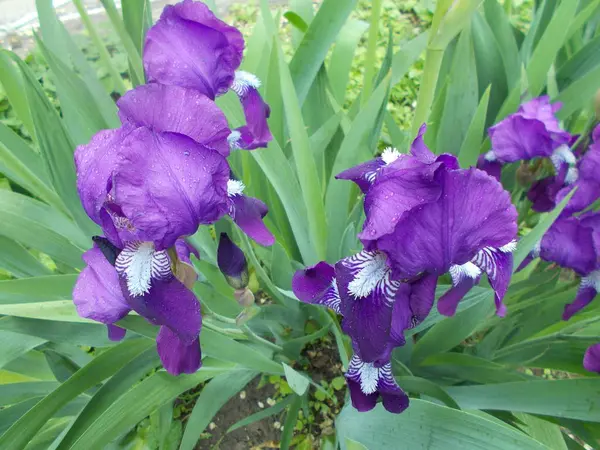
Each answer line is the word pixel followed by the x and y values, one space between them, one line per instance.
pixel 153 181
pixel 424 217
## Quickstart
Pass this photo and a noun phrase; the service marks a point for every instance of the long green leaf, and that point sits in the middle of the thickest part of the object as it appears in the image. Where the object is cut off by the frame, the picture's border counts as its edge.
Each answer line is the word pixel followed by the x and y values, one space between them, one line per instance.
pixel 352 151
pixel 135 60
pixel 112 390
pixel 16 260
pixel 305 164
pixel 11 79
pixel 321 33
pixel 101 367
pixel 452 331
pixel 56 148
pixel 36 225
pixel 341 57
pixel 140 401
pixel 550 43
pixel 469 150
pixel 425 425
pixel 574 399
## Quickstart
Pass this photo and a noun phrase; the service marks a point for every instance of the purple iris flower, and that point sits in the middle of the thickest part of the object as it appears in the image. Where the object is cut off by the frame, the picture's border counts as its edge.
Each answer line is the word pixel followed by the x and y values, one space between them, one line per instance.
pixel 190 47
pixel 533 131
pixel 103 293
pixel 376 311
pixel 367 382
pixel 248 212
pixel 591 360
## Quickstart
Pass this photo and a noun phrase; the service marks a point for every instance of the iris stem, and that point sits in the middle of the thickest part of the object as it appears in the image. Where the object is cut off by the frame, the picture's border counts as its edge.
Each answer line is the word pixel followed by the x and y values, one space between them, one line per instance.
pixel 252 336
pixel 371 51
pixel 232 332
pixel 244 330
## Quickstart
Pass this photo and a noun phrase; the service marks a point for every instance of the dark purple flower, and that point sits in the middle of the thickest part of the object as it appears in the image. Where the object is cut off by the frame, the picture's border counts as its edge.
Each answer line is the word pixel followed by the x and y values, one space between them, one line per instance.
pixel 176 109
pixel 367 382
pixel 471 229
pixel 189 46
pixel 591 360
pixel 232 263
pixel 492 167
pixel 248 212
pixel 542 193
pixel 256 132
pixel 533 131
pixel 376 308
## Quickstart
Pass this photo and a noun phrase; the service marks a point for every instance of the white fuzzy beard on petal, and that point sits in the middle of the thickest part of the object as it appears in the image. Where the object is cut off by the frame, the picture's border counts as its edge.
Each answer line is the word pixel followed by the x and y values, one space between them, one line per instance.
pixel 510 247
pixel 571 176
pixel 243 82
pixel 462 271
pixel 390 155
pixel 234 140
pixel 139 262
pixel 235 187
pixel 562 154
pixel 537 248
pixel 490 156
pixel 369 377
pixel 592 280
pixel 373 270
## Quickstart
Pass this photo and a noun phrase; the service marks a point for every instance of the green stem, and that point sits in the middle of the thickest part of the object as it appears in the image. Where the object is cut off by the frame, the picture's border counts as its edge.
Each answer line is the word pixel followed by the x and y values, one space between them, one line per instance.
pixel 371 51
pixel 231 332
pixel 431 71
pixel 252 336
pixel 104 55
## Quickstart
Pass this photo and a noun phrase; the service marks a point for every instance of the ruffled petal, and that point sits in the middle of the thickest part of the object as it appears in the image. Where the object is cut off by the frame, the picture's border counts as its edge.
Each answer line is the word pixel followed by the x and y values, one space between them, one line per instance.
pixel 190 47
pixel 176 356
pixel 95 164
pixel 591 360
pixel 317 285
pixel 97 294
pixel 167 185
pixel 517 138
pixel 400 187
pixel 171 304
pixel 473 212
pixel 176 109
pixel 247 213
pixel 585 295
pixel 367 295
